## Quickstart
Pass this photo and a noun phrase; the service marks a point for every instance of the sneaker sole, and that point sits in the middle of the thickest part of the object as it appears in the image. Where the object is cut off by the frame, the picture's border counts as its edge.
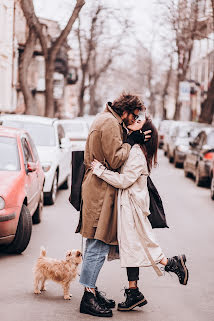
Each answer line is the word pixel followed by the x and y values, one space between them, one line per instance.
pixel 138 304
pixel 96 315
pixel 183 261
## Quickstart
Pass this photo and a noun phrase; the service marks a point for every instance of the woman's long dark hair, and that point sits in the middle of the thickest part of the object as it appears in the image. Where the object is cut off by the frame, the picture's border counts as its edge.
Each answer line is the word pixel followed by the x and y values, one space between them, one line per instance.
pixel 150 147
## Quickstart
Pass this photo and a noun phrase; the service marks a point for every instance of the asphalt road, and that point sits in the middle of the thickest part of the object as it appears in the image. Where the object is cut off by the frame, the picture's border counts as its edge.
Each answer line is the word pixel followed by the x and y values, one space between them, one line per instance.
pixel 190 214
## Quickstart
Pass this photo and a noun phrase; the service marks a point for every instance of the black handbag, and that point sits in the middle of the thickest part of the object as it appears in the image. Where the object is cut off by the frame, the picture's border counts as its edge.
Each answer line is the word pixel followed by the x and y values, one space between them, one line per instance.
pixel 78 171
pixel 157 217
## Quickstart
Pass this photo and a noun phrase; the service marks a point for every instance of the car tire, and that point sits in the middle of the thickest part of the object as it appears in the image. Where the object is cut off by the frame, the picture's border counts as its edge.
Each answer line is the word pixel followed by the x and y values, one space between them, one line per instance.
pixel 212 188
pixel 37 216
pixel 197 177
pixel 171 159
pixel 23 233
pixel 50 199
pixel 175 161
pixel 67 182
pixel 186 173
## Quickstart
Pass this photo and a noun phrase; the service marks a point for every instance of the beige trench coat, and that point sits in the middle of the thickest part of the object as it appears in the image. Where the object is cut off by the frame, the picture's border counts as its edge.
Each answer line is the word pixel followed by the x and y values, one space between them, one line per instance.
pixel 99 208
pixel 137 243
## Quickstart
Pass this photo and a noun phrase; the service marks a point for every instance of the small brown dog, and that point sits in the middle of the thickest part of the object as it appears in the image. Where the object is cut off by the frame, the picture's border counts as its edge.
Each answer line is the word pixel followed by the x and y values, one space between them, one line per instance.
pixel 60 271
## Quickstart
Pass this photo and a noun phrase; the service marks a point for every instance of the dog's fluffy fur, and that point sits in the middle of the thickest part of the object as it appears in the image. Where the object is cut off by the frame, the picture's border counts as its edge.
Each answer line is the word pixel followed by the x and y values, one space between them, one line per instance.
pixel 60 271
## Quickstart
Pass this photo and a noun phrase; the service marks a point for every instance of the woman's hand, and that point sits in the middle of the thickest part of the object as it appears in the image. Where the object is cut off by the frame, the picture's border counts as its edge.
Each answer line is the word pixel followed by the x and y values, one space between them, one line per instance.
pixel 94 163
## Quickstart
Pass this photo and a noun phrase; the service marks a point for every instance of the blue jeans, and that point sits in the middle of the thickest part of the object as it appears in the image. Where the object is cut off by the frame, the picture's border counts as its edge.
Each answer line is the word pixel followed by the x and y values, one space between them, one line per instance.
pixel 93 260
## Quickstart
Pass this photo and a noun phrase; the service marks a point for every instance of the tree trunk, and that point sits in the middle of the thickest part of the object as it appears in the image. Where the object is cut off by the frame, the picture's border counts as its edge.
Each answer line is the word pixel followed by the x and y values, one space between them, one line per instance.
pixel 92 110
pixel 49 82
pixel 177 103
pixel 207 108
pixel 82 94
pixel 25 60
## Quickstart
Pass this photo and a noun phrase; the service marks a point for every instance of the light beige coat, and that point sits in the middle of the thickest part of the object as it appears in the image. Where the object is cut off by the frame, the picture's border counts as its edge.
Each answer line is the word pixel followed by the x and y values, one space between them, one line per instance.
pixel 137 244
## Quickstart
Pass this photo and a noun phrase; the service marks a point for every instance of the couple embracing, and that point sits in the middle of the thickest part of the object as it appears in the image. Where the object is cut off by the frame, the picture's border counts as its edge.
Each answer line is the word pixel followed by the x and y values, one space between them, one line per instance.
pixel 115 204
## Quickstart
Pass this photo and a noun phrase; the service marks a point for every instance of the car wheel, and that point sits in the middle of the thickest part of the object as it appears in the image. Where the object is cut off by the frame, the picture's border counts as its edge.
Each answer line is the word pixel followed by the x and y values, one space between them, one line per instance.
pixel 67 182
pixel 212 188
pixel 175 161
pixel 51 197
pixel 171 159
pixel 186 173
pixel 197 177
pixel 38 213
pixel 23 233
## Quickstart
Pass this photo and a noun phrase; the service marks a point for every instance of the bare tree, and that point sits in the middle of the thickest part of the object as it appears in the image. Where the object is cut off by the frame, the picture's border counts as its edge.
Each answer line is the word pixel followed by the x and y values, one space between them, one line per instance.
pixel 49 49
pixel 182 18
pixel 98 48
pixel 207 108
pixel 165 89
pixel 86 46
pixel 24 63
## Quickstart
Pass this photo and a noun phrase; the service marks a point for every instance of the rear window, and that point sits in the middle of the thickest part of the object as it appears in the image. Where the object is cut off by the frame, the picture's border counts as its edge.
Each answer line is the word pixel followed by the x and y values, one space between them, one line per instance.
pixel 74 127
pixel 9 160
pixel 210 139
pixel 42 135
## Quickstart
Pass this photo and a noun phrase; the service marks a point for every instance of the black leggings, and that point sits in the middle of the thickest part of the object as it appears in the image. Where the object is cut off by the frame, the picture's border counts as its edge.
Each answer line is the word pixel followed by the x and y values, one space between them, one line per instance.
pixel 132 273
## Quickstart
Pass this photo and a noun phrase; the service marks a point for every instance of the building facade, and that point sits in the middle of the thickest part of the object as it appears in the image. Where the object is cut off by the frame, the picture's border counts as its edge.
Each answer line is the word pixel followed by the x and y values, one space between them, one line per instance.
pixel 13 36
pixel 201 68
pixel 8 56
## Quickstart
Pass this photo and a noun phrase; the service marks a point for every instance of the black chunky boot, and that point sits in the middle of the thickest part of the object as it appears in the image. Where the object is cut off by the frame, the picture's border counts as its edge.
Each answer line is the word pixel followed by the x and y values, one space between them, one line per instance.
pixel 177 265
pixel 89 305
pixel 102 300
pixel 134 298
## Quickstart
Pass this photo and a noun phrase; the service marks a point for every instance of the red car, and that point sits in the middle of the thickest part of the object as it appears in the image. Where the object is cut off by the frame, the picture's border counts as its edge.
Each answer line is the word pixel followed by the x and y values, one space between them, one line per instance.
pixel 21 189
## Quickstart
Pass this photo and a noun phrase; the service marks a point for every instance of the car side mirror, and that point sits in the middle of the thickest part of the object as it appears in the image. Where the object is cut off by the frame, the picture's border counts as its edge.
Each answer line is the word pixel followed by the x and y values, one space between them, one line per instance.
pixel 193 144
pixel 31 167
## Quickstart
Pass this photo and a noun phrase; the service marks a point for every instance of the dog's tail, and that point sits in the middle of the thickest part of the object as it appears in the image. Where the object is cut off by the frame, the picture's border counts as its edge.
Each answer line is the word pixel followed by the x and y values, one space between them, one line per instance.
pixel 42 251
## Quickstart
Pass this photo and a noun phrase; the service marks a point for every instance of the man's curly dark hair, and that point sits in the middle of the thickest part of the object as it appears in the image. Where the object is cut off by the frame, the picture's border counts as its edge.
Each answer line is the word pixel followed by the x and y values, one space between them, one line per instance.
pixel 127 102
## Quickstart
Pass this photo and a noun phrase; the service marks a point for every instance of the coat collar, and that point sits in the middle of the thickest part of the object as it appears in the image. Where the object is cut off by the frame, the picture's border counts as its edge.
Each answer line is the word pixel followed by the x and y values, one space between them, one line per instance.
pixel 109 109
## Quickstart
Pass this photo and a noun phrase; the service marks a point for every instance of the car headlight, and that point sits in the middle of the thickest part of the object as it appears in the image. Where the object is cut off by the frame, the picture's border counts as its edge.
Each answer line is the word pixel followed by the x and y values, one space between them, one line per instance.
pixel 182 148
pixel 46 166
pixel 2 203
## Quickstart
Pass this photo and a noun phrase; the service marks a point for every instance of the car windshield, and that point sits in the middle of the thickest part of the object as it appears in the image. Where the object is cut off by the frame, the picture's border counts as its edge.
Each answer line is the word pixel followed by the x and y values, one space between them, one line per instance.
pixel 43 135
pixel 210 139
pixel 73 127
pixel 9 160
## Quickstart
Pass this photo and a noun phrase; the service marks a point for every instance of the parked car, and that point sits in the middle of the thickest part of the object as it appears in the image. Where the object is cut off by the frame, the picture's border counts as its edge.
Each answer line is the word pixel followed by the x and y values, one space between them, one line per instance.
pixel 21 189
pixel 212 181
pixel 181 133
pixel 53 149
pixel 76 131
pixel 163 133
pixel 199 158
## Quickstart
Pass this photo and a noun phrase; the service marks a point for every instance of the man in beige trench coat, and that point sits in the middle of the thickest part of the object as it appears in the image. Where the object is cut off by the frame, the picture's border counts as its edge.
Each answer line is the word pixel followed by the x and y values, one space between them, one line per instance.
pixel 109 143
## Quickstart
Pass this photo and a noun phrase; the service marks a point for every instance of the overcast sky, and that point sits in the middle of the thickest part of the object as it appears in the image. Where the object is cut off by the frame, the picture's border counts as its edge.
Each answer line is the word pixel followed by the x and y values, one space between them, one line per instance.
pixel 144 12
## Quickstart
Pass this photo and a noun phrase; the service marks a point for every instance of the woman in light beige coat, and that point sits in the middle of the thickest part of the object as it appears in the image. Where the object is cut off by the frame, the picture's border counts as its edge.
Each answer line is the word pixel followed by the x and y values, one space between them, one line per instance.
pixel 137 244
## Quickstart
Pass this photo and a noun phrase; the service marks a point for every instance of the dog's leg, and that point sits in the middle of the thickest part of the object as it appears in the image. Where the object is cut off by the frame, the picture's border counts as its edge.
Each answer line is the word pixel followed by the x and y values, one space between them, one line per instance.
pixel 36 285
pixel 66 287
pixel 43 285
